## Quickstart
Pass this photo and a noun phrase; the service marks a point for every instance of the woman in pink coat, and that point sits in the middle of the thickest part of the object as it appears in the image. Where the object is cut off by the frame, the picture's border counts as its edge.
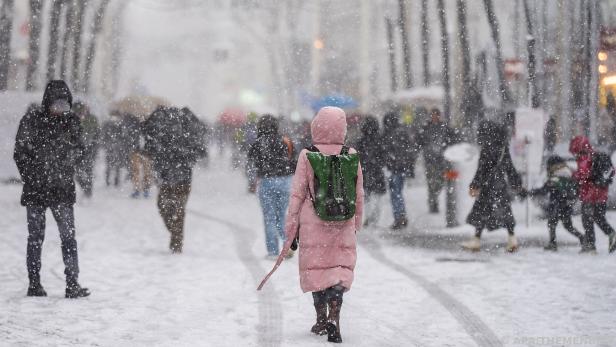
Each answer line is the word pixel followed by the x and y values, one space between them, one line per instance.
pixel 327 251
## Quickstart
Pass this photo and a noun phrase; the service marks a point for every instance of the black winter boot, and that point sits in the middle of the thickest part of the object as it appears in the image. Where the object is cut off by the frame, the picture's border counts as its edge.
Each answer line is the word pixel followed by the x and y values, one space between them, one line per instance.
pixel 612 243
pixel 400 224
pixel 320 327
pixel 320 306
pixel 552 246
pixel 333 324
pixel 74 290
pixel 36 289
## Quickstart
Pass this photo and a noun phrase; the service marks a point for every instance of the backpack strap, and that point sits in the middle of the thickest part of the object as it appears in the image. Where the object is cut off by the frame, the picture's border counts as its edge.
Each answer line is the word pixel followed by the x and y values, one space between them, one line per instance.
pixel 313 148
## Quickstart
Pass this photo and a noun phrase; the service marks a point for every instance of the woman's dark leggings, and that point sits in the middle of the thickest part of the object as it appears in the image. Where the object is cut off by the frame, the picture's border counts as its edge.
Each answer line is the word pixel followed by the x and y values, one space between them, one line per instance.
pixel 334 293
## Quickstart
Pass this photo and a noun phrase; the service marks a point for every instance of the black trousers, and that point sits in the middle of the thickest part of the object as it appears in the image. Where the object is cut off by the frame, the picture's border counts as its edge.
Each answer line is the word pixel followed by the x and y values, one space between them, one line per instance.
pixel 64 216
pixel 594 213
pixel 561 214
pixel 330 294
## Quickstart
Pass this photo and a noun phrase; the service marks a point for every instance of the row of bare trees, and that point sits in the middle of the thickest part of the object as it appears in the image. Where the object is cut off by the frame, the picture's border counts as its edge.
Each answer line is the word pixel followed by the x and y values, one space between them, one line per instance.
pixel 468 97
pixel 578 62
pixel 71 45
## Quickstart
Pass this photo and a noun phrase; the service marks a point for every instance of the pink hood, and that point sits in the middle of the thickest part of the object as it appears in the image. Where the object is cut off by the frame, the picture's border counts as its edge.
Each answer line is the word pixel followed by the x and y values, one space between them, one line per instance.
pixel 329 126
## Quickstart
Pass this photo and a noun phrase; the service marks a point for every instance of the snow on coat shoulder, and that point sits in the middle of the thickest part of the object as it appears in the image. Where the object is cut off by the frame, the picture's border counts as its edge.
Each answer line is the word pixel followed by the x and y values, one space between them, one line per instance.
pixel 327 251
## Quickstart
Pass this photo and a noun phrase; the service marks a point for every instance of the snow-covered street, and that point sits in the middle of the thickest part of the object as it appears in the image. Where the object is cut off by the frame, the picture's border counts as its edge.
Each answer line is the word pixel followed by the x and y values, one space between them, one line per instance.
pixel 413 288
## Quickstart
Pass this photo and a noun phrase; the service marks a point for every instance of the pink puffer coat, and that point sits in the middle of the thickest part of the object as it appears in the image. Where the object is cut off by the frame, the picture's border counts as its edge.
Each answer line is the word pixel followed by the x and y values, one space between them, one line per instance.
pixel 327 251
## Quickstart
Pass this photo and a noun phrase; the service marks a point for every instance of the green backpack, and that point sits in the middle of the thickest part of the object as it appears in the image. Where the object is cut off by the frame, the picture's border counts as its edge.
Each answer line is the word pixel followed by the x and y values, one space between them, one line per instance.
pixel 335 181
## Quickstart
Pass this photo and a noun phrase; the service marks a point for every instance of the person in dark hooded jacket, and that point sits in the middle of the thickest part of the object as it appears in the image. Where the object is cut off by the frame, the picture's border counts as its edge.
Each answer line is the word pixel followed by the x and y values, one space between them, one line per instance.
pixel 174 139
pixel 495 178
pixel 400 161
pixel 433 139
pixel 271 155
pixel 48 146
pixel 372 157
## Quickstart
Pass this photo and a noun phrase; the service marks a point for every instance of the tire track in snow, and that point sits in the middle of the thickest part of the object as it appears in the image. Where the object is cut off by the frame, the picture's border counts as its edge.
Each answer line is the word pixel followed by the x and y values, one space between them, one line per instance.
pixel 471 322
pixel 270 310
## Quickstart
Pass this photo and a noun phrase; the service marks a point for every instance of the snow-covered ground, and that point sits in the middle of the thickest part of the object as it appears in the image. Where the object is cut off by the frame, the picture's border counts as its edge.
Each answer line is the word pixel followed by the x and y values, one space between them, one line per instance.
pixel 412 288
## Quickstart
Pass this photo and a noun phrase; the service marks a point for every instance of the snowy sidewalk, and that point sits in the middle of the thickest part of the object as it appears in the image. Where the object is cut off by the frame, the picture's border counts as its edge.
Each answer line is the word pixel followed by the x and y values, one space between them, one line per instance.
pixel 405 293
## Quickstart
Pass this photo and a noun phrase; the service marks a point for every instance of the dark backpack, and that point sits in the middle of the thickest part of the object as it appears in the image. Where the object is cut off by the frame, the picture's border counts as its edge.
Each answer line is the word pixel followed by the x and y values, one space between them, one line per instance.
pixel 602 170
pixel 335 182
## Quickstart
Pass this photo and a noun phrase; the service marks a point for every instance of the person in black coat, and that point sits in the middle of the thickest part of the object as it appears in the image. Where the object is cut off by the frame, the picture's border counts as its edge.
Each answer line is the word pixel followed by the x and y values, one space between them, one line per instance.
pixel 562 192
pixel 174 139
pixel 48 146
pixel 400 161
pixel 433 139
pixel 115 154
pixel 272 157
pixel 372 157
pixel 495 178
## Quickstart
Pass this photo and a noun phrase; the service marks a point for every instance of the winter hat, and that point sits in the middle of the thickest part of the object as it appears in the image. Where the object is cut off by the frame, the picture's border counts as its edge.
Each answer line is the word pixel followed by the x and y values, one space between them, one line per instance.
pixel 370 126
pixel 553 161
pixel 391 120
pixel 491 135
pixel 56 90
pixel 267 125
pixel 580 145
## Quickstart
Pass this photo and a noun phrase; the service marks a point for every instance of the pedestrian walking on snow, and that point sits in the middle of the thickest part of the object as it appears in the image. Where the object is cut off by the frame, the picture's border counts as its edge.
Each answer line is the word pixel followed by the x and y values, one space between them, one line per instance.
pixel 174 141
pixel 114 145
pixel 494 180
pixel 325 221
pixel 271 156
pixel 372 155
pixel 594 175
pixel 561 189
pixel 140 165
pixel 48 147
pixel 400 161
pixel 433 139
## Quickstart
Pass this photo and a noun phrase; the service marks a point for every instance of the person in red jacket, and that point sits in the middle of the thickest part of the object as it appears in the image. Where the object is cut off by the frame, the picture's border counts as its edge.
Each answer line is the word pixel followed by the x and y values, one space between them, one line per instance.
pixel 593 197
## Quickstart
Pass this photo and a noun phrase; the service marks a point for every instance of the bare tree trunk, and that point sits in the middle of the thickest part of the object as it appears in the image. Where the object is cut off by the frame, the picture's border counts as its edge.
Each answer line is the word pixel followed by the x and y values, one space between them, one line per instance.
pixel 593 76
pixel 494 28
pixel 77 35
pixel 36 23
pixel 442 15
pixel 391 50
pixel 54 36
pixel 6 31
pixel 584 61
pixel 466 64
pixel 564 54
pixel 425 42
pixel 91 53
pixel 69 29
pixel 533 91
pixel 406 50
